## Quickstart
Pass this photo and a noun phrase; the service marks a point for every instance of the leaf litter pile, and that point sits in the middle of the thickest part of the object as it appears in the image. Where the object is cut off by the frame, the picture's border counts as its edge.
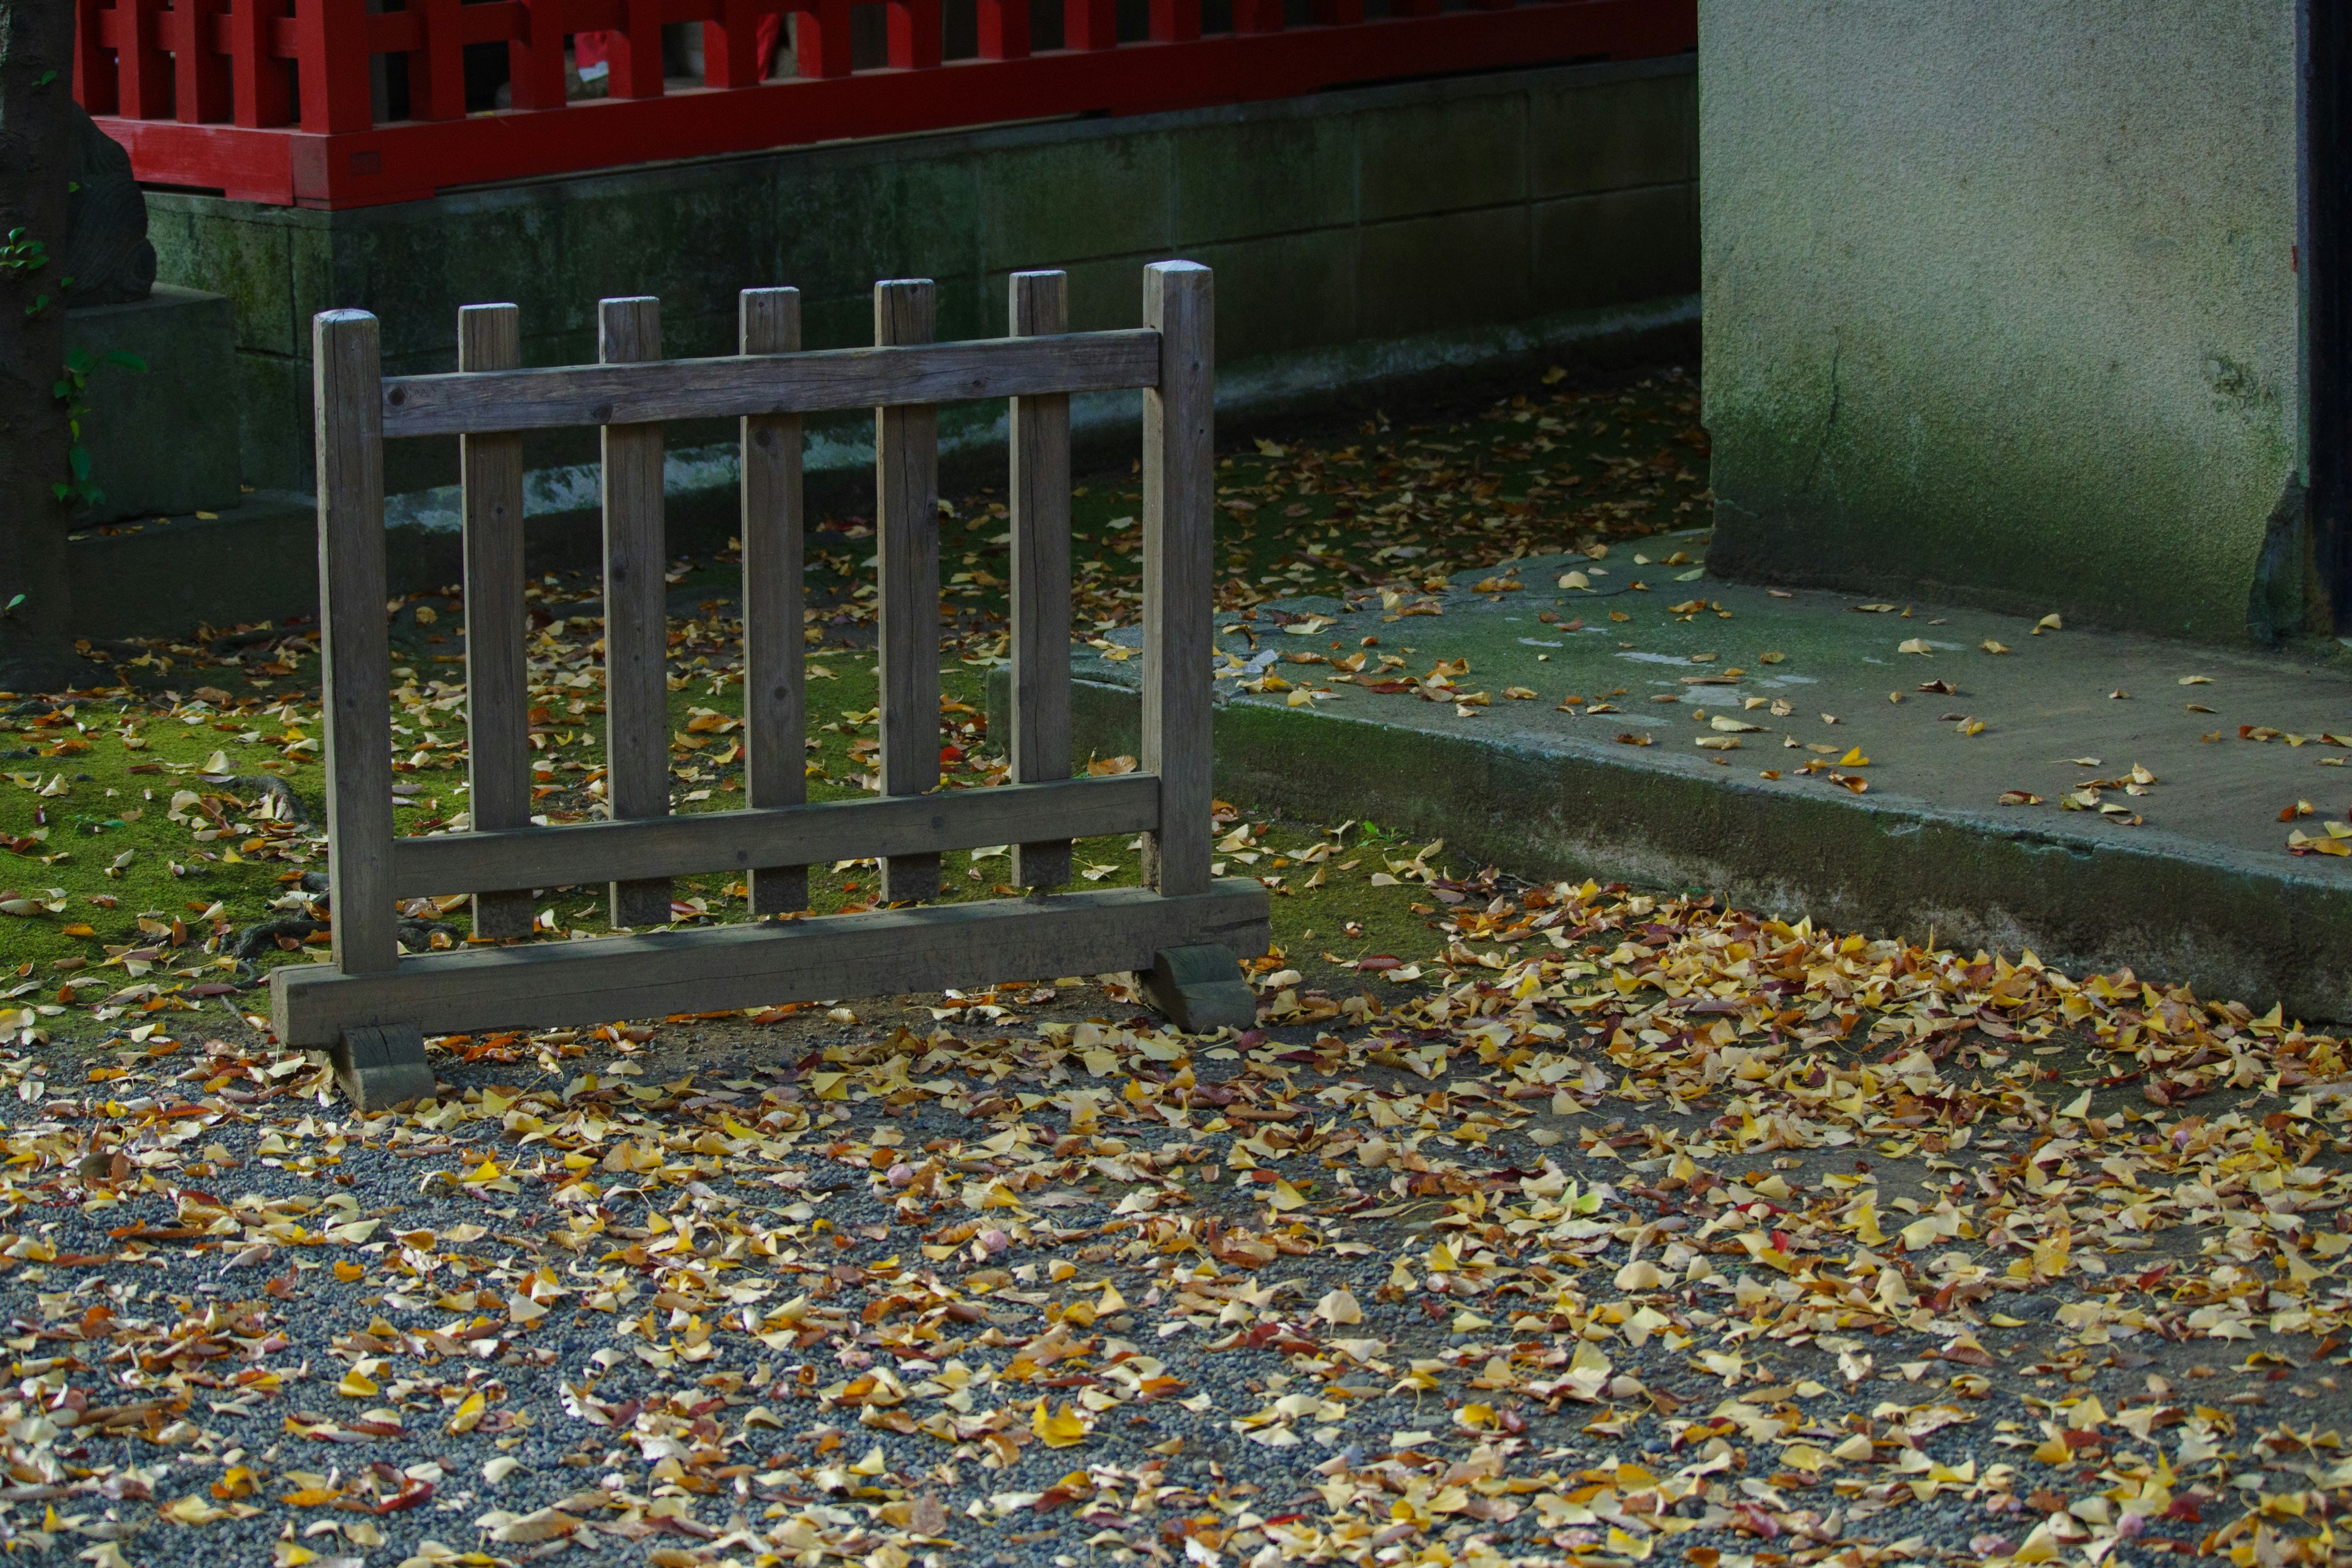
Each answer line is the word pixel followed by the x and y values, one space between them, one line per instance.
pixel 1604 1226
pixel 1652 1227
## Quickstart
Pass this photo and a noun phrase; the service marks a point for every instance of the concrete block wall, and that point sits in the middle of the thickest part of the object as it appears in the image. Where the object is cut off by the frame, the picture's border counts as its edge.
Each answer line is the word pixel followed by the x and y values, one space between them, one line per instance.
pixel 1439 213
pixel 2002 304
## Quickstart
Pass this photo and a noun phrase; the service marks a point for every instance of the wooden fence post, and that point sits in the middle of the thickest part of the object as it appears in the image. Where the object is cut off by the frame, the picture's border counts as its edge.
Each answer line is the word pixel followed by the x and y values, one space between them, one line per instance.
pixel 1040 742
pixel 143 76
pixel 821 41
pixel 348 400
pixel 497 676
pixel 260 83
pixel 776 705
pixel 1175 21
pixel 201 91
pixel 635 50
pixel 437 72
pixel 332 39
pixel 93 71
pixel 1003 29
pixel 907 530
pixel 1179 493
pixel 637 631
pixel 1089 23
pixel 912 33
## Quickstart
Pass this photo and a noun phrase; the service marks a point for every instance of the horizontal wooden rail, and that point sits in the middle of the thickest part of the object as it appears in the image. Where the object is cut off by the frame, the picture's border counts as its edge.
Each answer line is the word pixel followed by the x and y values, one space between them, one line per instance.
pixel 885 953
pixel 793 834
pixel 731 385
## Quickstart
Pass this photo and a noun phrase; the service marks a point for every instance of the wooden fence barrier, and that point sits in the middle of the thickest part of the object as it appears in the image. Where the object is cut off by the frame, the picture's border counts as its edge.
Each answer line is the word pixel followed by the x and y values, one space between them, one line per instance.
pixel 373 1004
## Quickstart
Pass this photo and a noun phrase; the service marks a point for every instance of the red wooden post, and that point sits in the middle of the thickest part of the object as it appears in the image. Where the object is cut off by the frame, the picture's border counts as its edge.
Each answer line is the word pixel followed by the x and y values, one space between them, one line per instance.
pixel 1179 21
pixel 144 82
pixel 1257 16
pixel 731 53
pixel 1089 23
pixel 436 71
pixel 93 85
pixel 914 33
pixel 260 83
pixel 332 54
pixel 823 41
pixel 1003 29
pixel 199 72
pixel 535 60
pixel 1338 13
pixel 1413 7
pixel 637 50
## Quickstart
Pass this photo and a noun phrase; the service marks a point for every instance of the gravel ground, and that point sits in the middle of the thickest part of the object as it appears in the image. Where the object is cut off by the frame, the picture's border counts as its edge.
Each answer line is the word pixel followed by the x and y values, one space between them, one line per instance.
pixel 1679 1234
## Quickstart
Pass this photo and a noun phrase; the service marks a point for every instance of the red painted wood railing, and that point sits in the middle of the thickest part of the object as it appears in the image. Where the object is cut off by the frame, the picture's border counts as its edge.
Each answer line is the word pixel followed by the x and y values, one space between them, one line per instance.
pixel 203 92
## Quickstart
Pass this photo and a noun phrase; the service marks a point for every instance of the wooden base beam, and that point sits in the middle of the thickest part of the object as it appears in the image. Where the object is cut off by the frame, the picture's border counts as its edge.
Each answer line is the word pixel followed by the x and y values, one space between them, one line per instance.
pixel 606 979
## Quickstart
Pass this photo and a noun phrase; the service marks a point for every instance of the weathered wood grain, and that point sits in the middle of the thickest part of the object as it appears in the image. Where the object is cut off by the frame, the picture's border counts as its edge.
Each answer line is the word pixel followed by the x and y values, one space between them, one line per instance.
pixel 346 360
pixel 497 677
pixel 724 387
pixel 656 973
pixel 775 703
pixel 906 530
pixel 1039 747
pixel 1179 564
pixel 680 845
pixel 637 630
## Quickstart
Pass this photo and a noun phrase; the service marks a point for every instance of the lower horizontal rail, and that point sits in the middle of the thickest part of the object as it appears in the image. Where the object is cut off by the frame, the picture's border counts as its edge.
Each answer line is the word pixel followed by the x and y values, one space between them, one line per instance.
pixel 783 835
pixel 924 949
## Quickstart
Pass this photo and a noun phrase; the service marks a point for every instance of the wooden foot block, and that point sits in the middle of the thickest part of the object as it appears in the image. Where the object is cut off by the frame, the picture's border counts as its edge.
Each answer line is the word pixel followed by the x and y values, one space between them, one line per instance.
pixel 380 1066
pixel 1200 989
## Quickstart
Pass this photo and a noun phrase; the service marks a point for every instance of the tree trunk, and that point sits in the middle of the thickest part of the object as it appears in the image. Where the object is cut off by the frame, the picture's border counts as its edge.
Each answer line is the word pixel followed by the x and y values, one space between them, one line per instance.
pixel 36 89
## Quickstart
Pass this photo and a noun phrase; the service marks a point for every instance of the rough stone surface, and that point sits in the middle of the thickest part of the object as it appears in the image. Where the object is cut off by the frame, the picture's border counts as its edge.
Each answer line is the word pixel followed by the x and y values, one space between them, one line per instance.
pixel 2002 301
pixel 107 258
pixel 2203 890
pixel 162 441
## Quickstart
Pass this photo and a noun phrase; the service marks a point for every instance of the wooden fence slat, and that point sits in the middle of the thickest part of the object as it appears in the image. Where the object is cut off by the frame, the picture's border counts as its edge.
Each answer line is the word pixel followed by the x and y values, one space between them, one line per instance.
pixel 535 63
pixel 821 39
pixel 738 841
pixel 775 703
pixel 261 83
pixel 437 73
pixel 1039 746
pixel 497 676
pixel 143 75
pixel 1175 21
pixel 347 363
pixel 93 69
pixel 637 639
pixel 804 384
pixel 1179 544
pixel 1003 29
pixel 635 50
pixel 907 533
pixel 912 34
pixel 331 49
pixel 1089 23
pixel 201 91
pixel 881 952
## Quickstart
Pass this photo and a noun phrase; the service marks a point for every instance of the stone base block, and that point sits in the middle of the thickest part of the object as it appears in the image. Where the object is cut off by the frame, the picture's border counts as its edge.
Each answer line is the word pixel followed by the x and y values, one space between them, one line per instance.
pixel 162 441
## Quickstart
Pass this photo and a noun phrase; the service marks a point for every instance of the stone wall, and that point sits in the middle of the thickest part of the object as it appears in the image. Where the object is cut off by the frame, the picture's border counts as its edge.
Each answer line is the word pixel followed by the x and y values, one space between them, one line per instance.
pixel 2001 303
pixel 1446 217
